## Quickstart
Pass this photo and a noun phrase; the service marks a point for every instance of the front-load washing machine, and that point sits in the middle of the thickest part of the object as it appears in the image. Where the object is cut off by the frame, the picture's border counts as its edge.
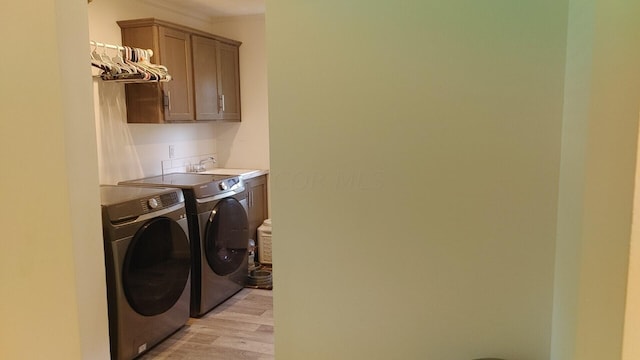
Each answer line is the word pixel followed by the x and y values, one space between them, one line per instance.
pixel 148 265
pixel 219 232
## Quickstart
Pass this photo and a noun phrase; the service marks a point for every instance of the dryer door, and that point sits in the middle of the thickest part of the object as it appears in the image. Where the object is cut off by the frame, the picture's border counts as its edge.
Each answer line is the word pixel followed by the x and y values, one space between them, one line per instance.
pixel 156 266
pixel 227 237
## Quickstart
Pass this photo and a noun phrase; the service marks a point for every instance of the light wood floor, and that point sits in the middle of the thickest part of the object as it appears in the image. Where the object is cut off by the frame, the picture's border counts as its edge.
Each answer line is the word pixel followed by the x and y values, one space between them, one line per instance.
pixel 241 328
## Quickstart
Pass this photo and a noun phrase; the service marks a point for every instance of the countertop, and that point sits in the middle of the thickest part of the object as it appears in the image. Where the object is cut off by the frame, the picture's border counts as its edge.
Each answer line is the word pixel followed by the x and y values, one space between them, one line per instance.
pixel 245 174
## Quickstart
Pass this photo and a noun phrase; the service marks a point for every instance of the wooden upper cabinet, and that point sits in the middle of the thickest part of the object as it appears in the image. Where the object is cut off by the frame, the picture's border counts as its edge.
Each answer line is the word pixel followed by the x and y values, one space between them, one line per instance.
pixel 216 78
pixel 175 54
pixel 206 79
pixel 145 100
pixel 228 80
pixel 204 70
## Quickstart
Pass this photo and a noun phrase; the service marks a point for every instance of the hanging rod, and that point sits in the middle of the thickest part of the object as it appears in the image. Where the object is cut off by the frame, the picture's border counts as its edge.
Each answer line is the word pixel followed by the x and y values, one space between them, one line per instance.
pixel 116 47
pixel 99 44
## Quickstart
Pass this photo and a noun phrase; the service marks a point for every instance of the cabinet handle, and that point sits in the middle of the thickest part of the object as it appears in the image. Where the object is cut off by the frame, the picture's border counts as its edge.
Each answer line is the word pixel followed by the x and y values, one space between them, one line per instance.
pixel 222 103
pixel 167 100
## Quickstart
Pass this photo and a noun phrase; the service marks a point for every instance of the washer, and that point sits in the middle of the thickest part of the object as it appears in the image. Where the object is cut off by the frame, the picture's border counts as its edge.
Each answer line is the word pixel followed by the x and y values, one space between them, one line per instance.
pixel 148 265
pixel 219 231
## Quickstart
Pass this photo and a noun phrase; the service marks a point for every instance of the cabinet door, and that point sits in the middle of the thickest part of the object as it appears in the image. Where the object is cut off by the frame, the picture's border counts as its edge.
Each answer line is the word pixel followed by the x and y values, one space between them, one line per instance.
pixel 175 54
pixel 144 101
pixel 228 80
pixel 257 201
pixel 205 78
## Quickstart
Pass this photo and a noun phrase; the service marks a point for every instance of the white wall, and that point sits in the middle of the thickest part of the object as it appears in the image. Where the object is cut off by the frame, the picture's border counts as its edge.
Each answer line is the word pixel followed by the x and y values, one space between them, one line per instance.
pixel 246 145
pixel 415 153
pixel 51 262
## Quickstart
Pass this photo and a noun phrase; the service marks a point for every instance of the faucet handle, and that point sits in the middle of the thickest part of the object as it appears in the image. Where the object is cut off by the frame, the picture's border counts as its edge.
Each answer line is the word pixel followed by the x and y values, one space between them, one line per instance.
pixel 202 167
pixel 210 158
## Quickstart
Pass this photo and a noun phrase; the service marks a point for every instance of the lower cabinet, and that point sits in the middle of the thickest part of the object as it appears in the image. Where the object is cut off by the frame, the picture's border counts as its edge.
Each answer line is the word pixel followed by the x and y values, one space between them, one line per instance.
pixel 257 203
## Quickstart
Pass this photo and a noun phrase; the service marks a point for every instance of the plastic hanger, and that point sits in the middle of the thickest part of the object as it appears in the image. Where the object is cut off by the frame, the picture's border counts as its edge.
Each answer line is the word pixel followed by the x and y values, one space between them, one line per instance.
pixel 113 67
pixel 142 56
pixel 130 60
pixel 127 64
pixel 95 58
pixel 119 60
pixel 160 71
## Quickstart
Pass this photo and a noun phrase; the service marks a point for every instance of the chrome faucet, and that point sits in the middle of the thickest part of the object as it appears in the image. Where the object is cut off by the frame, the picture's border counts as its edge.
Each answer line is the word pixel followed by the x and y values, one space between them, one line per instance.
pixel 200 167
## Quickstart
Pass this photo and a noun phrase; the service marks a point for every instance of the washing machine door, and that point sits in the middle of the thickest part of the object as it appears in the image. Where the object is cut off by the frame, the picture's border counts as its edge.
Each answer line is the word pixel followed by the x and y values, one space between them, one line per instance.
pixel 156 266
pixel 227 237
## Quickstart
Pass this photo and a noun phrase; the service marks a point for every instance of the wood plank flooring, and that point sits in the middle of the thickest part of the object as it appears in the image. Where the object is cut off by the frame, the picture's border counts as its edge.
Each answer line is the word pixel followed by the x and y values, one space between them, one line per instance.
pixel 239 329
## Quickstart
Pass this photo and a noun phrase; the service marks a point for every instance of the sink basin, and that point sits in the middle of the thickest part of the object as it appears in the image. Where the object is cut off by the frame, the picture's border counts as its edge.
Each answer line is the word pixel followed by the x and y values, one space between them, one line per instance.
pixel 240 172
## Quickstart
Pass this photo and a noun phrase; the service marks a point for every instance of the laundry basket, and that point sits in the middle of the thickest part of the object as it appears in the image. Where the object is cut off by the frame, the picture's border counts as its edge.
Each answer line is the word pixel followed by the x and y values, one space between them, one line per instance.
pixel 264 242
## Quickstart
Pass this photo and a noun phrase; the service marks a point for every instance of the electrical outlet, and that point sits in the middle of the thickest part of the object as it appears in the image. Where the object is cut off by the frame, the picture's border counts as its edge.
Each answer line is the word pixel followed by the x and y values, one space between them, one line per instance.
pixel 172 151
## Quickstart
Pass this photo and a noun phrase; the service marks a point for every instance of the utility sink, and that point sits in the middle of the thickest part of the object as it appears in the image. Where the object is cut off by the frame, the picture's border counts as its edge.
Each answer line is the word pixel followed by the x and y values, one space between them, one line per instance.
pixel 243 173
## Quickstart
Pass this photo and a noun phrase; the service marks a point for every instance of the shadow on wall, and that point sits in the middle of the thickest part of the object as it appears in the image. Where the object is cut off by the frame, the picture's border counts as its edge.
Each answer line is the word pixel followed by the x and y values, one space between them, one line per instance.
pixel 117 156
pixel 227 133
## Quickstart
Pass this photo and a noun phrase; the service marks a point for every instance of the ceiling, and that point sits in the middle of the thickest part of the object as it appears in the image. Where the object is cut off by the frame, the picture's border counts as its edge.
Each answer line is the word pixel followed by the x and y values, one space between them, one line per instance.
pixel 212 8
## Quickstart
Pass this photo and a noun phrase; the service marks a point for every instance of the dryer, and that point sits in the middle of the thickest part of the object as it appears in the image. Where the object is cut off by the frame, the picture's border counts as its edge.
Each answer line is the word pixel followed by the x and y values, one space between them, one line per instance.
pixel 219 231
pixel 148 265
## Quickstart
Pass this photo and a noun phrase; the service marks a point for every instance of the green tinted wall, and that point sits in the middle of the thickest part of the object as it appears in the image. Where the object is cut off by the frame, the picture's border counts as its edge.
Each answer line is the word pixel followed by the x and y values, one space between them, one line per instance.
pixel 415 150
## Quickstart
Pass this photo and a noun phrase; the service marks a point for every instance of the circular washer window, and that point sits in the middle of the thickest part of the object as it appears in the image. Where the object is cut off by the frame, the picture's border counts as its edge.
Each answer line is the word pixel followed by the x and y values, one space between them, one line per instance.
pixel 227 237
pixel 156 266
